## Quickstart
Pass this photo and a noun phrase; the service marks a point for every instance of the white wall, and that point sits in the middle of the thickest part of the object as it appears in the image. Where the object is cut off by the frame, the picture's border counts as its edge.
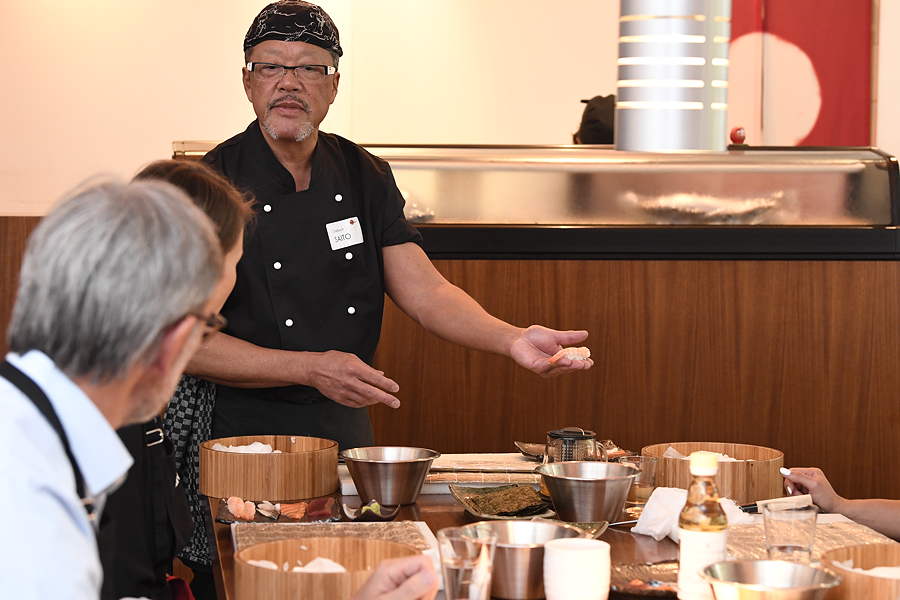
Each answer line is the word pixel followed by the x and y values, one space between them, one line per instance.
pixel 479 71
pixel 106 85
pixel 887 110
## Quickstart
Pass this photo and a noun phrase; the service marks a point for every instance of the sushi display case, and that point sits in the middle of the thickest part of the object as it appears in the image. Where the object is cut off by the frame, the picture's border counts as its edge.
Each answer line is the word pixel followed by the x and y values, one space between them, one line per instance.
pixel 596 202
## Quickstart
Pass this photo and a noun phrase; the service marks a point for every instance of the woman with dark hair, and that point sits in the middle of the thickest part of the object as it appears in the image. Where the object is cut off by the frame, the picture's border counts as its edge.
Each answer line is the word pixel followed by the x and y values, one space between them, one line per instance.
pixel 158 512
pixel 148 519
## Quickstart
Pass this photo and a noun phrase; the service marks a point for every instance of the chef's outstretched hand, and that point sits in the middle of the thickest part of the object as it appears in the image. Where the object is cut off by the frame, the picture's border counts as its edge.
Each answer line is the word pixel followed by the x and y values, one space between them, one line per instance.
pixel 536 345
pixel 347 380
pixel 408 578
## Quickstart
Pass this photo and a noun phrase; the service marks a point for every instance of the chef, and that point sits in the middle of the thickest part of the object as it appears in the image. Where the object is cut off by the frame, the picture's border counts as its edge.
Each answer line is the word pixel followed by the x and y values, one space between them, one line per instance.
pixel 329 240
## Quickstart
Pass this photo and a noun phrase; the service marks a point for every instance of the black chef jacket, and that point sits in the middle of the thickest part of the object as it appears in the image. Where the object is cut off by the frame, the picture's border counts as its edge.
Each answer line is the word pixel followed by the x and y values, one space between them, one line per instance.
pixel 294 291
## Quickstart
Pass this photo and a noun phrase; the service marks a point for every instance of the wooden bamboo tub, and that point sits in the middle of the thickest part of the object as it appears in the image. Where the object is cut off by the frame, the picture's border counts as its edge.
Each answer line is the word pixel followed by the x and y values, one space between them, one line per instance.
pixel 306 467
pixel 859 585
pixel 358 555
pixel 753 477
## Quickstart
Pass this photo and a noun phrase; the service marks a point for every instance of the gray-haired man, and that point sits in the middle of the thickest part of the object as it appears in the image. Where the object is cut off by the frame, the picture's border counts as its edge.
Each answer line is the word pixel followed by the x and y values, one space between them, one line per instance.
pixel 113 299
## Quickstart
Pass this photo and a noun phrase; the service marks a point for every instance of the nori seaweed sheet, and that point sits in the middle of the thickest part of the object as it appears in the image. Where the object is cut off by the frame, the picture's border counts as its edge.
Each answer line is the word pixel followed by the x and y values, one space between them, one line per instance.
pixel 512 501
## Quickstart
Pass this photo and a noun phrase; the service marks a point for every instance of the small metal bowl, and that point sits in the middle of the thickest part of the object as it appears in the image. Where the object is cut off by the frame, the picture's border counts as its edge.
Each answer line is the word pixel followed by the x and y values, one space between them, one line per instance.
pixel 768 580
pixel 388 513
pixel 390 475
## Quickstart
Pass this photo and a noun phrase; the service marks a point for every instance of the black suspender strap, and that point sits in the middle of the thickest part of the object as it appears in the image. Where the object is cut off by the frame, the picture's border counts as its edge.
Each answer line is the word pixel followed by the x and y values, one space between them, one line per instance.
pixel 40 400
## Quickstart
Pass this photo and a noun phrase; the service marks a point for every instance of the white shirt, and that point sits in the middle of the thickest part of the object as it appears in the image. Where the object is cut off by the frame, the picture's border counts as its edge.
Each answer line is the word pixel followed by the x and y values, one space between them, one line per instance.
pixel 49 548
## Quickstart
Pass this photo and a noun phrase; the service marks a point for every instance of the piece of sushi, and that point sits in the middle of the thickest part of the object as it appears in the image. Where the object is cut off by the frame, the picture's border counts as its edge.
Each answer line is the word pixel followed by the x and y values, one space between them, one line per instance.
pixel 579 353
pixel 267 509
pixel 293 511
pixel 242 510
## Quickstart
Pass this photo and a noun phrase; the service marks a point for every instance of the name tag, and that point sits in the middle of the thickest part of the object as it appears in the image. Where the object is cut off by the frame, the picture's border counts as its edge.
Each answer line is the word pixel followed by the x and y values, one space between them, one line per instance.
pixel 344 233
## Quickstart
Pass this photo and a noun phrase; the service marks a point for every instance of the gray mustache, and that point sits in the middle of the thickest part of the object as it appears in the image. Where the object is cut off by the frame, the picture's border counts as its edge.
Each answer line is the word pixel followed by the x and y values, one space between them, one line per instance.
pixel 303 103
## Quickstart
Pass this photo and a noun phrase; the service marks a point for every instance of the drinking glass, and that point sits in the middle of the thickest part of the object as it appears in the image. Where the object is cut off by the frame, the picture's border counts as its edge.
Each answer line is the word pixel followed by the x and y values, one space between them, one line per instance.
pixel 466 563
pixel 641 486
pixel 790 531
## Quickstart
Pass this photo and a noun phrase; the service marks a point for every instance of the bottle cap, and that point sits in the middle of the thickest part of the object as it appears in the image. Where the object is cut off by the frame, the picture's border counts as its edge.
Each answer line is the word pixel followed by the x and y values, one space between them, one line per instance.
pixel 704 464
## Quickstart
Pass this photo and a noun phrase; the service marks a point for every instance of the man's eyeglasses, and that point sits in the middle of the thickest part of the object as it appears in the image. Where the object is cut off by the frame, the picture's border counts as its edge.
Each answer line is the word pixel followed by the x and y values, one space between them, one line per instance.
pixel 310 73
pixel 212 322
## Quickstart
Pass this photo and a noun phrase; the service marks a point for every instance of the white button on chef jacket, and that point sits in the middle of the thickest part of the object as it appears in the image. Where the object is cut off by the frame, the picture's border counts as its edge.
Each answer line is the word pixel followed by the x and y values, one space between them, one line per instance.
pixel 289 323
pixel 267 208
pixel 351 310
pixel 338 197
pixel 348 256
pixel 276 265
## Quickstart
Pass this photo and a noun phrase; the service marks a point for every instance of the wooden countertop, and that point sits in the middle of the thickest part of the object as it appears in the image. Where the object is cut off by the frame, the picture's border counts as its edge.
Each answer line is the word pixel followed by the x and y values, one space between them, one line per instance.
pixel 440 511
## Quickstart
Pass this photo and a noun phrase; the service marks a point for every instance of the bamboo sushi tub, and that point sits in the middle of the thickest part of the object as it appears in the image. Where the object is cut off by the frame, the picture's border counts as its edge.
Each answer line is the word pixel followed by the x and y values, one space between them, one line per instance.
pixel 860 585
pixel 358 555
pixel 306 467
pixel 754 476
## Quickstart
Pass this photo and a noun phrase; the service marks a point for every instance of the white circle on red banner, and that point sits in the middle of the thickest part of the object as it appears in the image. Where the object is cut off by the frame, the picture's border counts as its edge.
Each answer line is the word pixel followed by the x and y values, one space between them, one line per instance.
pixel 773 90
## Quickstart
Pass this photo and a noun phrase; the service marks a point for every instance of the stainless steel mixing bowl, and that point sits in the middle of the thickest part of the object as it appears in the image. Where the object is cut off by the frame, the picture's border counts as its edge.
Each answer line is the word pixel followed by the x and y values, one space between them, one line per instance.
pixel 588 491
pixel 768 580
pixel 390 475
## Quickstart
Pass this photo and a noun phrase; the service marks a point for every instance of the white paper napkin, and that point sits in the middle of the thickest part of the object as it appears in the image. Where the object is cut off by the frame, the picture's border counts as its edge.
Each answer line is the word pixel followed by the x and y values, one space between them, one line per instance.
pixel 660 515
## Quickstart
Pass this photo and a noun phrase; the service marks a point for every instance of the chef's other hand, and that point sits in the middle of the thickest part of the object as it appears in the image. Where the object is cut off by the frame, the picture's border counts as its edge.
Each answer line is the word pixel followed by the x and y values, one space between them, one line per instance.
pixel 537 344
pixel 408 578
pixel 347 380
pixel 812 481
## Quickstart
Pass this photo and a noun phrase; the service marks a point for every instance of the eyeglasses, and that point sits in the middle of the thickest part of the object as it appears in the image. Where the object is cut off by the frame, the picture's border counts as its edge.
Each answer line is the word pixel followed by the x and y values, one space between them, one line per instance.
pixel 310 73
pixel 213 323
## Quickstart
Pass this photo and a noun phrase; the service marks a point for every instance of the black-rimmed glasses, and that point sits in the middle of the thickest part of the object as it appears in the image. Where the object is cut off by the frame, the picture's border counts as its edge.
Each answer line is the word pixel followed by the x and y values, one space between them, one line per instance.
pixel 309 73
pixel 213 322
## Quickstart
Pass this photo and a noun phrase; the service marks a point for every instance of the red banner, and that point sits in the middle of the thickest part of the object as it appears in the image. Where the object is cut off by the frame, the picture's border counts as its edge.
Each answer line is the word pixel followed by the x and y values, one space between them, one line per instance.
pixel 815 55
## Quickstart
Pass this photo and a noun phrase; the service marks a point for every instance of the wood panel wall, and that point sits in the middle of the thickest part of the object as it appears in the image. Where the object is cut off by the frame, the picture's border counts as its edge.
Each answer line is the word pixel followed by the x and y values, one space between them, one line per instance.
pixel 799 356
pixel 14 233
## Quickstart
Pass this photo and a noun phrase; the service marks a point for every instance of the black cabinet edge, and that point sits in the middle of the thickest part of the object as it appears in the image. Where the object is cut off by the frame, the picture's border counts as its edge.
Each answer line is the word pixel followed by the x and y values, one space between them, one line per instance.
pixel 663 243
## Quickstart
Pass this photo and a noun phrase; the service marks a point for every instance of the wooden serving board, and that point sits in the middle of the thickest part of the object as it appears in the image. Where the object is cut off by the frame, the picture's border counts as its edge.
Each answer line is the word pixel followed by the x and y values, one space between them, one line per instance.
pixel 223 515
pixel 401 532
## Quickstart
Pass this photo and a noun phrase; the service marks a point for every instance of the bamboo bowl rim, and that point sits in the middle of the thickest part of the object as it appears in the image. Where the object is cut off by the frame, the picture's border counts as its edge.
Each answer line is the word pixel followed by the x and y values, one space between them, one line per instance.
pixel 830 558
pixel 238 556
pixel 661 447
pixel 208 446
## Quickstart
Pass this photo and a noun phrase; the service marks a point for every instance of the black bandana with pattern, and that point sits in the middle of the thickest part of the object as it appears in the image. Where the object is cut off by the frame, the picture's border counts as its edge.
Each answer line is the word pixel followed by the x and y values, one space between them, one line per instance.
pixel 294 21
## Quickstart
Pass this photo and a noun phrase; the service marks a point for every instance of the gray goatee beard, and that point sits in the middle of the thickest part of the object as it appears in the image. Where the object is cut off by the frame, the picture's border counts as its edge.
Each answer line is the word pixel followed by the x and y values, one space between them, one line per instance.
pixel 304 131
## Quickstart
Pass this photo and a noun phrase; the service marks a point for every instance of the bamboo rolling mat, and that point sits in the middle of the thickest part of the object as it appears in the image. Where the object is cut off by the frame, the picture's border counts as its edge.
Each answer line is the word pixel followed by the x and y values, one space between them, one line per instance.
pixel 503 462
pixel 749 541
pixel 505 467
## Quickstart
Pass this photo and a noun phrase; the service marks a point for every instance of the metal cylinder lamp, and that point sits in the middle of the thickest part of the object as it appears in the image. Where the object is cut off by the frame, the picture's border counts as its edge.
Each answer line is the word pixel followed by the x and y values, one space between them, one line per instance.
pixel 673 75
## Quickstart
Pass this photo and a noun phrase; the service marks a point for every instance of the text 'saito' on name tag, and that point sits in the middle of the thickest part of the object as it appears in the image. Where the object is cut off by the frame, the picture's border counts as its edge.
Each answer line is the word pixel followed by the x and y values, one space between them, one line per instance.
pixel 344 233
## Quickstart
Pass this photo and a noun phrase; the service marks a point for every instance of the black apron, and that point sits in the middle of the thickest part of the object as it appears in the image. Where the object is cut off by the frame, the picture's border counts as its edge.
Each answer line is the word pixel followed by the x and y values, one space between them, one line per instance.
pixel 37 396
pixel 146 521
